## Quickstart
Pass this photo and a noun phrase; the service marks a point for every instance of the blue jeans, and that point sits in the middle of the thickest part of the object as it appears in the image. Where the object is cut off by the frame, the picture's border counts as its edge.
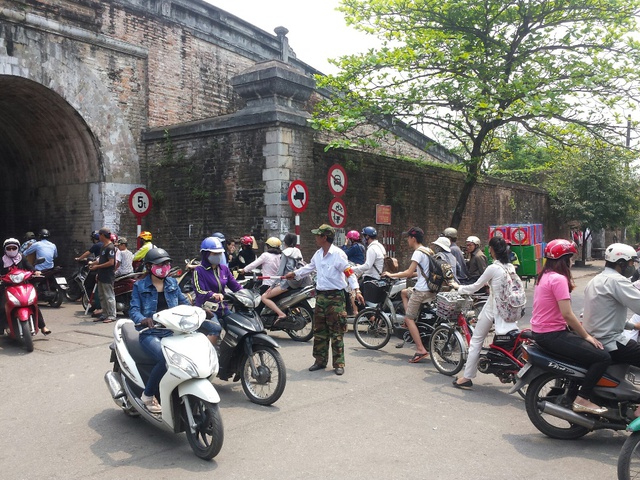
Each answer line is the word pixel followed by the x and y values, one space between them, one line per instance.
pixel 151 345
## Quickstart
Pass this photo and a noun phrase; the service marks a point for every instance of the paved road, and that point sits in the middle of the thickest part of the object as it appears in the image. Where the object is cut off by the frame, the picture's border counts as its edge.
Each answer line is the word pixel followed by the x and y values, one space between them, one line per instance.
pixel 383 419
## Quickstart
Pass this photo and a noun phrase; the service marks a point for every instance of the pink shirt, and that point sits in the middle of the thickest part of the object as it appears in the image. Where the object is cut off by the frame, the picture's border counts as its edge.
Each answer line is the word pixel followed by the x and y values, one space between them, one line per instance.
pixel 546 316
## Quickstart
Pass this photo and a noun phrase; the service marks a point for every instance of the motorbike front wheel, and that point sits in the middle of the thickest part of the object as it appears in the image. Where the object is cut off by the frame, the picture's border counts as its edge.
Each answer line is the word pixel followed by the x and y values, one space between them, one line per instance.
pixel 551 387
pixel 305 334
pixel 74 292
pixel 629 459
pixel 268 385
pixel 27 339
pixel 208 435
pixel 372 328
pixel 448 351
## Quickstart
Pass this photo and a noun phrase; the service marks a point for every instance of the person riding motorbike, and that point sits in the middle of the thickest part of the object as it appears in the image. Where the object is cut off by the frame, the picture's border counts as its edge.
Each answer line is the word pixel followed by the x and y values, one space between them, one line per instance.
pixel 269 261
pixel 461 272
pixel 153 293
pixel 146 239
pixel 43 248
pixel 354 248
pixel 29 239
pixel 210 278
pixel 223 241
pixel 477 263
pixel 246 255
pixel 372 267
pixel 606 299
pixel 12 258
pixel 291 256
pixel 552 315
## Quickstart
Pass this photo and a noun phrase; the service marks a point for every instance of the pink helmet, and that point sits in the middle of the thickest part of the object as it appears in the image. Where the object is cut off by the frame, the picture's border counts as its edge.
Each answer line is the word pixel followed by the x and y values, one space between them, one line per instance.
pixel 559 248
pixel 353 235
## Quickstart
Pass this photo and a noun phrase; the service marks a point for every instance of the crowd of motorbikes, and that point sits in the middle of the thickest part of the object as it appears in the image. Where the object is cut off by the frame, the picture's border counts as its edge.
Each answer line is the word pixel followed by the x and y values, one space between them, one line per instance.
pixel 249 355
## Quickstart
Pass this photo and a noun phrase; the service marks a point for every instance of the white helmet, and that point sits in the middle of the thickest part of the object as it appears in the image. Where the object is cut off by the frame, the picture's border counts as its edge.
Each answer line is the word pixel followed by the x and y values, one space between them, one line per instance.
pixel 620 251
pixel 473 239
pixel 444 243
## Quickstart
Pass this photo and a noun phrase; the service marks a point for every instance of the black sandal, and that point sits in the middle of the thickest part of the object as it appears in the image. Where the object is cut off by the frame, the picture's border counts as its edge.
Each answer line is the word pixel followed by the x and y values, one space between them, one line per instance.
pixel 45 331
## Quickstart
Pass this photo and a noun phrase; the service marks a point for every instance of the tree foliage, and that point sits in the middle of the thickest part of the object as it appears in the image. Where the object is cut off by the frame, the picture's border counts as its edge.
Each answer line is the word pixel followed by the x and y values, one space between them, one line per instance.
pixel 594 187
pixel 466 69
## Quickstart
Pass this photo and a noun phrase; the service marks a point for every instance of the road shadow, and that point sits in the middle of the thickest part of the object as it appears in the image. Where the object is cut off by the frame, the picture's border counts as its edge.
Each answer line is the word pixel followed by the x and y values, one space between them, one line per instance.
pixel 128 441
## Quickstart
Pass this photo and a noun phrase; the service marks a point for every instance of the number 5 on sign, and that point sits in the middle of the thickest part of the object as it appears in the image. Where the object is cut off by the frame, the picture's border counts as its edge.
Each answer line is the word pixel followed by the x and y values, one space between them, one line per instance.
pixel 140 202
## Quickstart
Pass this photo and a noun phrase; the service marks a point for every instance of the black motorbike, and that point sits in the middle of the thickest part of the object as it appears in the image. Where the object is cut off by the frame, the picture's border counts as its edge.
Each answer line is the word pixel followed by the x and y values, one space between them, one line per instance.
pixel 76 283
pixel 552 380
pixel 50 286
pixel 247 354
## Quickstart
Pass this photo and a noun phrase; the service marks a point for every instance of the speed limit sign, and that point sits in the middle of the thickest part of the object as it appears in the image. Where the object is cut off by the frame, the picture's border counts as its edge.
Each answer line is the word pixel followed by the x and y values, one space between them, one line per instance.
pixel 140 202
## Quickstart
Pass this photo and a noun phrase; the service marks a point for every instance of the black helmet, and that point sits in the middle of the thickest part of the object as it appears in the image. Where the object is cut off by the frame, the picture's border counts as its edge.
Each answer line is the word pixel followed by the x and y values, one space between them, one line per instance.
pixel 29 235
pixel 44 233
pixel 95 235
pixel 157 256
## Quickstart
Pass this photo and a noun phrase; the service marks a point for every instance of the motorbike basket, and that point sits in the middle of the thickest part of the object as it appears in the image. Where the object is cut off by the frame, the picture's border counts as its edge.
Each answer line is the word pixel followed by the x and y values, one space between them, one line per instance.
pixel 450 304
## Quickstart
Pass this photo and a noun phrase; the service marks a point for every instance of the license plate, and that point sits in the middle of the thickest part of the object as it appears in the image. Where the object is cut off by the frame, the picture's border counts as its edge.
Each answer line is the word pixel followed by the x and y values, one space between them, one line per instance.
pixel 523 370
pixel 61 280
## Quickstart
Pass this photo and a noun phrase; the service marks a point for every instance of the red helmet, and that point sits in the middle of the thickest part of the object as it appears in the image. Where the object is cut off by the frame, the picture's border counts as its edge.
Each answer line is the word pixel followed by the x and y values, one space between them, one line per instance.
pixel 353 235
pixel 246 240
pixel 559 248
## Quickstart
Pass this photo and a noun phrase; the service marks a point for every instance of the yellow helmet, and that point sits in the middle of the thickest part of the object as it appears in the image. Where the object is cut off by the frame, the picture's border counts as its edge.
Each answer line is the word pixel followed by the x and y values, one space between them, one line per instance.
pixel 273 242
pixel 146 236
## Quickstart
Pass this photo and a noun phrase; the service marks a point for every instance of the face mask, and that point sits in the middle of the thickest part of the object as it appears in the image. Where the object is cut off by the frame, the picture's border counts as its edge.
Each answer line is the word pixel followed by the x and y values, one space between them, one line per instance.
pixel 11 253
pixel 629 270
pixel 160 271
pixel 214 259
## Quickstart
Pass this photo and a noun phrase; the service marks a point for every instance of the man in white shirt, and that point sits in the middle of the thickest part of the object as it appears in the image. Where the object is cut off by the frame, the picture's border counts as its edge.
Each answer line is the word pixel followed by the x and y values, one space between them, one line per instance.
pixel 606 299
pixel 372 267
pixel 330 319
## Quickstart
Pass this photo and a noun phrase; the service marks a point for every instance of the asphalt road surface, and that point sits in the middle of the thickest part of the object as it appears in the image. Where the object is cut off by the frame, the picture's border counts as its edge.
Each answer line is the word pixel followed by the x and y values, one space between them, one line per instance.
pixel 384 418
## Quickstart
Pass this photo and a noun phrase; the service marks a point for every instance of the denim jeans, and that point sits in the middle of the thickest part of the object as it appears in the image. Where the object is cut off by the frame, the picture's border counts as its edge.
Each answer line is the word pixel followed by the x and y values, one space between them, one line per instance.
pixel 151 345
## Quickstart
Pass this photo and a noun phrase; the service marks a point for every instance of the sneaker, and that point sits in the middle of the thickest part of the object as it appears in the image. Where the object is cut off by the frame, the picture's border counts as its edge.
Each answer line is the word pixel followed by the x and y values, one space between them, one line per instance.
pixel 151 404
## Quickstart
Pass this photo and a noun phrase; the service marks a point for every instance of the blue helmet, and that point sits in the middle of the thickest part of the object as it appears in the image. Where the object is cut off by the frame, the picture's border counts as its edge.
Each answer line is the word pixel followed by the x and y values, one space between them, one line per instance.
pixel 370 232
pixel 211 244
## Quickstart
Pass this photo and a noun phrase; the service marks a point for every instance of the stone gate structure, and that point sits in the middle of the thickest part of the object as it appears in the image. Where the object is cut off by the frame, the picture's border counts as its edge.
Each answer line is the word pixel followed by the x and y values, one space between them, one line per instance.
pixel 207 112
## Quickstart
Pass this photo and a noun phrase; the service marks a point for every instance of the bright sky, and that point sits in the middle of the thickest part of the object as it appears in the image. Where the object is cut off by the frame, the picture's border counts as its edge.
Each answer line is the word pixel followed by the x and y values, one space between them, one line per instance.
pixel 316 30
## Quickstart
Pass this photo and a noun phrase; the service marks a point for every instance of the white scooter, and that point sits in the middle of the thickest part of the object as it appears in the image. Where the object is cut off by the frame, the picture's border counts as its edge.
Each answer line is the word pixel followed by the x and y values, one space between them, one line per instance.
pixel 189 400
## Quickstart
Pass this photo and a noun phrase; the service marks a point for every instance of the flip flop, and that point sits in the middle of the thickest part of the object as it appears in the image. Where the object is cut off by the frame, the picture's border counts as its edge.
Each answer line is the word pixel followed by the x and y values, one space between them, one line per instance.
pixel 418 356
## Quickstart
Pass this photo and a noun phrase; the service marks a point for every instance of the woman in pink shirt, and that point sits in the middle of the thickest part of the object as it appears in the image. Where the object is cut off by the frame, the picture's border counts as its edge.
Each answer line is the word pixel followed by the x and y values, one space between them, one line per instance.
pixel 552 315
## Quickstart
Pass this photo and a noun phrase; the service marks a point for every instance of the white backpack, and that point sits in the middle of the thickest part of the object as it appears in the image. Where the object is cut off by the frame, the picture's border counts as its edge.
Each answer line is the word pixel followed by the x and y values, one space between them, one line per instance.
pixel 510 301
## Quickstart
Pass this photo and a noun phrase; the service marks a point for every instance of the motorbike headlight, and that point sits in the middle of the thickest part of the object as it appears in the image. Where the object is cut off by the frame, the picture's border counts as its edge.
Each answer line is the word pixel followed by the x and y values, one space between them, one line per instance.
pixel 189 323
pixel 181 362
pixel 13 299
pixel 17 277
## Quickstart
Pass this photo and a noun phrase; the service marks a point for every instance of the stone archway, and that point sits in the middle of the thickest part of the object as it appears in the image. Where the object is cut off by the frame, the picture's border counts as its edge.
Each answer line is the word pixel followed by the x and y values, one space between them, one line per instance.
pixel 68 159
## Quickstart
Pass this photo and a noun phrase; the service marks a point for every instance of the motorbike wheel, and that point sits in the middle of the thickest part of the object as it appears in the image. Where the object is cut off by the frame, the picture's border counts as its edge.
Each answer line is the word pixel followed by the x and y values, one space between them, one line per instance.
pixel 629 459
pixel 372 329
pixel 305 334
pixel 272 375
pixel 551 387
pixel 27 339
pixel 73 293
pixel 56 301
pixel 448 352
pixel 206 441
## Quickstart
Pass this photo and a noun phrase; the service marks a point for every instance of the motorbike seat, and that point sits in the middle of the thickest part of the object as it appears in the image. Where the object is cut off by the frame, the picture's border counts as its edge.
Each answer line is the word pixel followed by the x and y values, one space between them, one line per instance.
pixel 537 350
pixel 131 338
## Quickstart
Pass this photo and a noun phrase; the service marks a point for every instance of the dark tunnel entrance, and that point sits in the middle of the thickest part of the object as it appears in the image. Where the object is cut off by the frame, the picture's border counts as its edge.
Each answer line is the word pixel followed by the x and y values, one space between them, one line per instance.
pixel 49 165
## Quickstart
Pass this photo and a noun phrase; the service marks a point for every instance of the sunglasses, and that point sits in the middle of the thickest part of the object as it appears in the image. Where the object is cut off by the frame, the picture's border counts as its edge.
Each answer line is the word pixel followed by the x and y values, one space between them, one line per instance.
pixel 11 247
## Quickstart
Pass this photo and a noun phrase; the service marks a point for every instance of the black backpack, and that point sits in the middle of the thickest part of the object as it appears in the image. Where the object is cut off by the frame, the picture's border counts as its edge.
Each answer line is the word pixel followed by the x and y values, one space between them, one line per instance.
pixel 439 270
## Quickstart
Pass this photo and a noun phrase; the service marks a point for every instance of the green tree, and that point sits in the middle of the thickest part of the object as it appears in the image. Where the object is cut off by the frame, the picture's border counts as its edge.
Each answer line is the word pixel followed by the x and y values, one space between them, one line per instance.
pixel 594 188
pixel 465 69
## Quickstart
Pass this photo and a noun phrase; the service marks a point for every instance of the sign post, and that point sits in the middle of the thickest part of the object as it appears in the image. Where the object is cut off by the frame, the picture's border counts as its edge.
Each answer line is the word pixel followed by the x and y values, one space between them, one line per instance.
pixel 298 196
pixel 140 205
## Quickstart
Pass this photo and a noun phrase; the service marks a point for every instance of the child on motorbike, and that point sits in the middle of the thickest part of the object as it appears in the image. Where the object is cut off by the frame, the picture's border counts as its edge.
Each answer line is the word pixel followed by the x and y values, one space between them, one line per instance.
pixel 552 315
pixel 269 261
pixel 12 258
pixel 153 293
pixel 291 255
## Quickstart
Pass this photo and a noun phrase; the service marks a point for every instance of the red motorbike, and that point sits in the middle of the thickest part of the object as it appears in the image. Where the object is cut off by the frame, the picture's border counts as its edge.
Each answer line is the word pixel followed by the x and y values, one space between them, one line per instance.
pixel 21 306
